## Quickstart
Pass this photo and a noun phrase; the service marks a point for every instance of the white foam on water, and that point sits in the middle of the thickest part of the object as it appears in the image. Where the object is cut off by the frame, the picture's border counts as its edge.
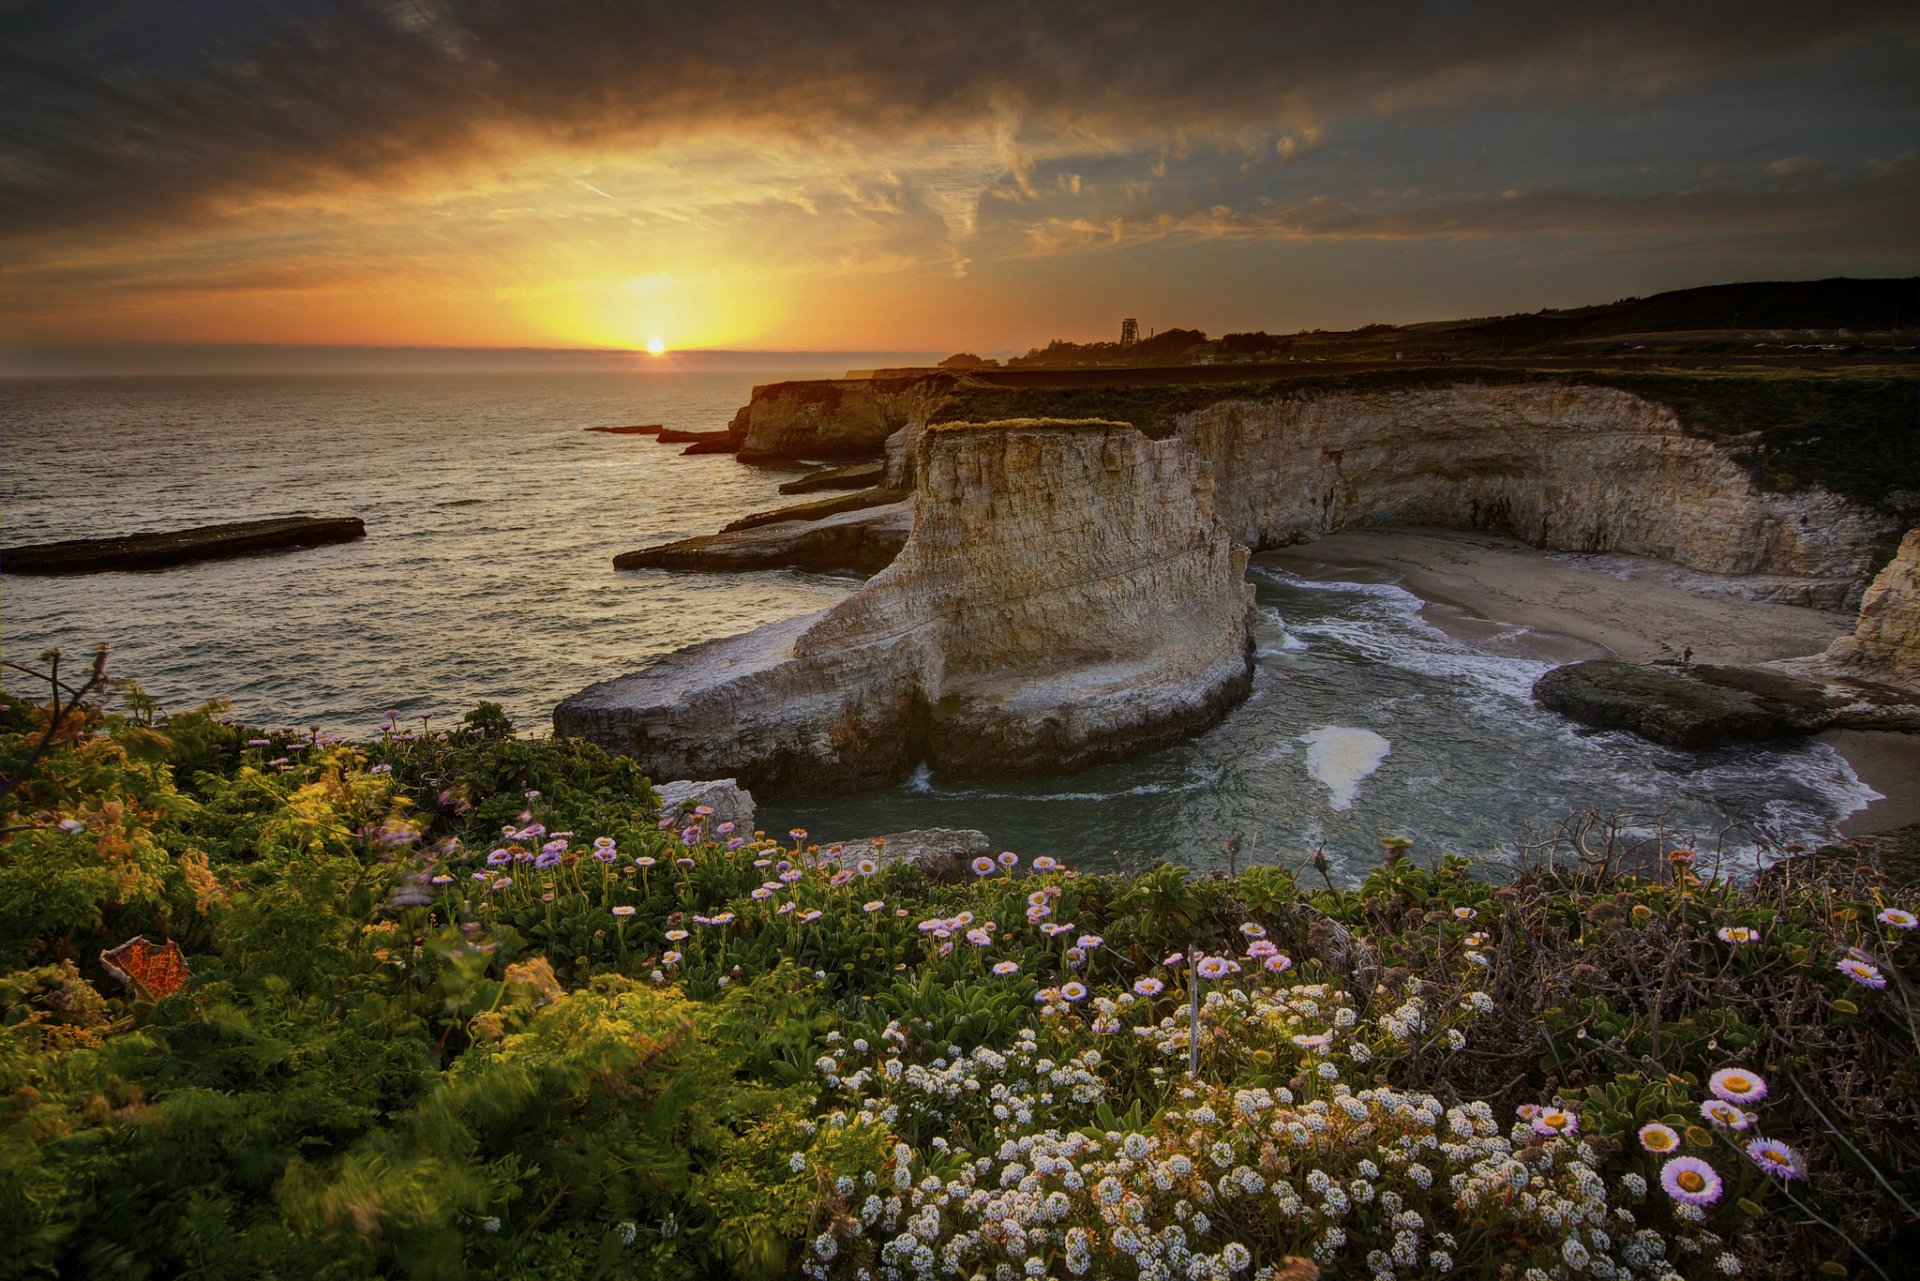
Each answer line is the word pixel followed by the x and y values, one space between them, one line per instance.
pixel 921 780
pixel 1341 758
pixel 1271 637
pixel 1387 628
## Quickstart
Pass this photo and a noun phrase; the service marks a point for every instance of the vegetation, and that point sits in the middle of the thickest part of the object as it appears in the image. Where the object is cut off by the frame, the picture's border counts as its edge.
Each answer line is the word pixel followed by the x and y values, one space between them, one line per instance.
pixel 462 1004
pixel 1783 319
pixel 1854 432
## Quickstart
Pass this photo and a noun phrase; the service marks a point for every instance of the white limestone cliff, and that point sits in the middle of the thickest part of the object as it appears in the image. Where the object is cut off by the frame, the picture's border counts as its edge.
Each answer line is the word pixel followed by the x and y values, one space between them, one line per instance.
pixel 1066 596
pixel 1566 467
pixel 1886 639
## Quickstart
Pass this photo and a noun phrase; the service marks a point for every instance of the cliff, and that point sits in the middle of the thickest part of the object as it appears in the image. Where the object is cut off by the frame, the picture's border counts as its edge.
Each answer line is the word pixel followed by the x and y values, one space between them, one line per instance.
pixel 840 418
pixel 1066 596
pixel 1886 640
pixel 1562 466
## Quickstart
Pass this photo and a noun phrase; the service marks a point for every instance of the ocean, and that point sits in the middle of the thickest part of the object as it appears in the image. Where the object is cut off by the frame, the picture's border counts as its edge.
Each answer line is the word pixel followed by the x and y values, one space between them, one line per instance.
pixel 492 518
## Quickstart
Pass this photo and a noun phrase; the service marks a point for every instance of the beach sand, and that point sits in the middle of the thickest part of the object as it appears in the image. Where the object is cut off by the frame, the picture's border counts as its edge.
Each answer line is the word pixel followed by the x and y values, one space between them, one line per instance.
pixel 1500 594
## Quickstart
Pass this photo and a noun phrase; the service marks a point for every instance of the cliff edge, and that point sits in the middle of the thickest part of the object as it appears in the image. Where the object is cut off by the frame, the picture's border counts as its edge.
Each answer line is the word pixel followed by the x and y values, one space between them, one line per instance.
pixel 1066 597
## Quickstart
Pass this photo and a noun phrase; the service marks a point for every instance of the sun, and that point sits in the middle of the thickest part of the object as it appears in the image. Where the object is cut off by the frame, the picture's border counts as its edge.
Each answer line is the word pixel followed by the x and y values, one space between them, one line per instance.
pixel 656 347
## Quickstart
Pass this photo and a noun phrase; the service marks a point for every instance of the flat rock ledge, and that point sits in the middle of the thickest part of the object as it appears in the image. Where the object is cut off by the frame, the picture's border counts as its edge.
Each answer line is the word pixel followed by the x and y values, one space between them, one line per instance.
pixel 1704 706
pixel 857 476
pixel 181 546
pixel 859 542
pixel 1066 597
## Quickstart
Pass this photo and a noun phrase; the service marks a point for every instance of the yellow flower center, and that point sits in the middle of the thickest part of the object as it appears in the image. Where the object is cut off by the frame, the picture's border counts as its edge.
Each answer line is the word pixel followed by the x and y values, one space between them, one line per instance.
pixel 1690 1180
pixel 1778 1158
pixel 1555 1119
pixel 1659 1141
pixel 1738 1084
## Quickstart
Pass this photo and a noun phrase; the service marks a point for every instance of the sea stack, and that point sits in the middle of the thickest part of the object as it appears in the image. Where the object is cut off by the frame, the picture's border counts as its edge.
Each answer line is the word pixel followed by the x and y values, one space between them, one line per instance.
pixel 1066 597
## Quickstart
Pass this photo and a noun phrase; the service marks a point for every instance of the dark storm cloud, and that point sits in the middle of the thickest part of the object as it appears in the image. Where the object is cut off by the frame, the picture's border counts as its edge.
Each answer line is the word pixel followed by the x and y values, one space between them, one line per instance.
pixel 131 115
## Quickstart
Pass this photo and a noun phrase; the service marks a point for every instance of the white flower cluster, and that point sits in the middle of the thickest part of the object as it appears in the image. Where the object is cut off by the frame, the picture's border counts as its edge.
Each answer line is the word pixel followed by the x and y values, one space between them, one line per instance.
pixel 1222 1176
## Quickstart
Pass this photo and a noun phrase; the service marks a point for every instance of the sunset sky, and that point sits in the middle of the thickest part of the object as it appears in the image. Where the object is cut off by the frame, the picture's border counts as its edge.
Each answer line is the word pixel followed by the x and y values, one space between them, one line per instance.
pixel 891 176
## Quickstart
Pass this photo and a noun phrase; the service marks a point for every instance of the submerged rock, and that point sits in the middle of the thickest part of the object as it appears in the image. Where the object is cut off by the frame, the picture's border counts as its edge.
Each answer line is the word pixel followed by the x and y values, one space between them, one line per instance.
pixel 1066 597
pixel 181 546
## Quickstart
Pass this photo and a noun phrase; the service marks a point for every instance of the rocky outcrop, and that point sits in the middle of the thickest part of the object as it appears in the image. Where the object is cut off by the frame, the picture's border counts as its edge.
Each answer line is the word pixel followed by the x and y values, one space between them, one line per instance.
pixel 1563 465
pixel 181 546
pixel 729 802
pixel 944 855
pixel 1067 596
pixel 1705 706
pixel 820 508
pixel 852 476
pixel 860 542
pixel 1568 467
pixel 1886 640
pixel 842 418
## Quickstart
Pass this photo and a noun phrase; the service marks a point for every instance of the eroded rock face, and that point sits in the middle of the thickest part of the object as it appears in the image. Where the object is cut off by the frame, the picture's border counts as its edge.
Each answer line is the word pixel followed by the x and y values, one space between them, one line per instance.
pixel 1886 640
pixel 1567 467
pixel 1066 597
pixel 832 418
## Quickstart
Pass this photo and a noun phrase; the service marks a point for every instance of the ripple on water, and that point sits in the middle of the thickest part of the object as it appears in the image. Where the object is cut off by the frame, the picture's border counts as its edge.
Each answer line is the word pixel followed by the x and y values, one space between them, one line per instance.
pixel 486 574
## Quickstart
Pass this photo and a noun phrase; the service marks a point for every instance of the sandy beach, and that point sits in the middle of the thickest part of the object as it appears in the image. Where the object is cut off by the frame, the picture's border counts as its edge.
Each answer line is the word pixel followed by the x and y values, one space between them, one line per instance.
pixel 1501 595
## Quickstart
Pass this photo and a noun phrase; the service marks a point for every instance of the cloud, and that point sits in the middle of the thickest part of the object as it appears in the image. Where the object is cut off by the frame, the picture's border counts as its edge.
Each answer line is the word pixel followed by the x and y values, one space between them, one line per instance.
pixel 1871 213
pixel 380 97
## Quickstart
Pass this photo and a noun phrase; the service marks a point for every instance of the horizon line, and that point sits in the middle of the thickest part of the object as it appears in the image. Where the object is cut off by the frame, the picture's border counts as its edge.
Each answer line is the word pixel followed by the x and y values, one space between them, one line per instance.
pixel 159 358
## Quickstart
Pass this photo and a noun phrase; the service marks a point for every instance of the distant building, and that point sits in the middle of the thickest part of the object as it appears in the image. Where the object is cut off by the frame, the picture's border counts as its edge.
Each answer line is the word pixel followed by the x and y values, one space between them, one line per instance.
pixel 1129 332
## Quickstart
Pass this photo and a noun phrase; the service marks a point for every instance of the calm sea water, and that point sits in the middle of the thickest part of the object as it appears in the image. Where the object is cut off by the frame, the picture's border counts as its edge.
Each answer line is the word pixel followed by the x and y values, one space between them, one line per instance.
pixel 492 518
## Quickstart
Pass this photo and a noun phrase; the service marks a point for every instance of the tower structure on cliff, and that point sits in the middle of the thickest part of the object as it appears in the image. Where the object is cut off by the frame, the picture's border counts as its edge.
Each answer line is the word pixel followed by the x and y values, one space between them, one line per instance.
pixel 1129 332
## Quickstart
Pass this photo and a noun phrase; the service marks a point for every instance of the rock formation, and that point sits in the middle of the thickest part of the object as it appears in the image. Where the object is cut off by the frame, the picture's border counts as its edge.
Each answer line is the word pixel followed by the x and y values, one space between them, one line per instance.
pixel 832 418
pixel 820 508
pixel 943 854
pixel 852 476
pixel 1066 596
pixel 1886 640
pixel 729 802
pixel 1564 465
pixel 1706 706
pixel 181 546
pixel 1568 467
pixel 858 542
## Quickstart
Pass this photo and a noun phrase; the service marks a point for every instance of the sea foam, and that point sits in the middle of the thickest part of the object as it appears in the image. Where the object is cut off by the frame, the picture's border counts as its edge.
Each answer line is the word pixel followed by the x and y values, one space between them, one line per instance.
pixel 1341 758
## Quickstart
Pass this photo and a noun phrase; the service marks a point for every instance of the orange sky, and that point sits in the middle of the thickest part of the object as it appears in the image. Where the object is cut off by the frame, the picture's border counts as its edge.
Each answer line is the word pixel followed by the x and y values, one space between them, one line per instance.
pixel 566 175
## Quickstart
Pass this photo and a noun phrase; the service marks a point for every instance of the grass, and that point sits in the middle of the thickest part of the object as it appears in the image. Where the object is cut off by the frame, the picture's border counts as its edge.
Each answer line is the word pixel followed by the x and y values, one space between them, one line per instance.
pixel 466 1005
